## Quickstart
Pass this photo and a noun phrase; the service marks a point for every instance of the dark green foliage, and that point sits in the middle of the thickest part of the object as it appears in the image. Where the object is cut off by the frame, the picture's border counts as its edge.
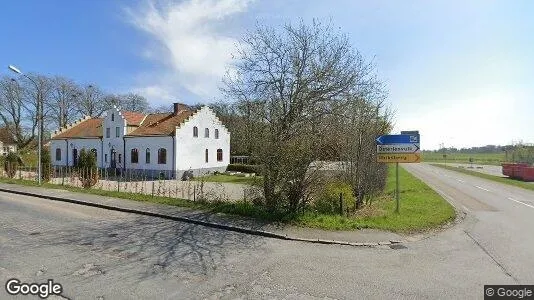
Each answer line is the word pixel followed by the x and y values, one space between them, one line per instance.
pixel 12 161
pixel 46 163
pixel 244 168
pixel 87 169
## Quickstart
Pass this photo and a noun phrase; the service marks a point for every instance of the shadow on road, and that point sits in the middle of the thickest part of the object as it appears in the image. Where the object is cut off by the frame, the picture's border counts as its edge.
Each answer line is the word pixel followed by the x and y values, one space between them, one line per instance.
pixel 160 247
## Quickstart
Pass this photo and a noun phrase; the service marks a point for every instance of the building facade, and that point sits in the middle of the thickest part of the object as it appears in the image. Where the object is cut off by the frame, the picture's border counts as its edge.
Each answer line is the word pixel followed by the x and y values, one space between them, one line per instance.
pixel 167 144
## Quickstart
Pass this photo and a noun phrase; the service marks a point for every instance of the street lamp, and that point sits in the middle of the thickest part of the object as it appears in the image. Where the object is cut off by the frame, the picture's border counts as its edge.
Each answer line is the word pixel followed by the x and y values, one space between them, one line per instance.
pixel 39 120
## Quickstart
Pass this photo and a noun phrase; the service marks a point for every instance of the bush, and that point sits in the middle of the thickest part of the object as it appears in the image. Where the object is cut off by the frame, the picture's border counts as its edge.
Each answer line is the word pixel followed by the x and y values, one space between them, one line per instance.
pixel 12 161
pixel 244 168
pixel 46 163
pixel 327 200
pixel 87 170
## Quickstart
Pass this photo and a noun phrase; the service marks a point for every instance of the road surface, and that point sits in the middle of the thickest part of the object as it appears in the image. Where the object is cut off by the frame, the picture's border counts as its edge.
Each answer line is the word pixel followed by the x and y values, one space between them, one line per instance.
pixel 99 254
pixel 500 217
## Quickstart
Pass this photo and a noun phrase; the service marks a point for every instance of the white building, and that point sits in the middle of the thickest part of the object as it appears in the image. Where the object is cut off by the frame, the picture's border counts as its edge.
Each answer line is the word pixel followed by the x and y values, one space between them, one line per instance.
pixel 7 144
pixel 153 144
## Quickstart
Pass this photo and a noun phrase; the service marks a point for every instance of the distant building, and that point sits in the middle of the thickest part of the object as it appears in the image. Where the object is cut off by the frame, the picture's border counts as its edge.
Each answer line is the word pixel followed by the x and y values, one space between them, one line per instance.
pixel 7 143
pixel 153 144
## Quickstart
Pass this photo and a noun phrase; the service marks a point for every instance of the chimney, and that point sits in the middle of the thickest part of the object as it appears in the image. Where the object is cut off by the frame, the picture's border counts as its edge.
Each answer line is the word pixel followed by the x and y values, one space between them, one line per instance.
pixel 179 107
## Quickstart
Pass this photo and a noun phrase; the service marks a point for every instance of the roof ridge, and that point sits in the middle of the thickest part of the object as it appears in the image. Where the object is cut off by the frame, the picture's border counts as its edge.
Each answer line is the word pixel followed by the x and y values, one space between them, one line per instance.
pixel 71 125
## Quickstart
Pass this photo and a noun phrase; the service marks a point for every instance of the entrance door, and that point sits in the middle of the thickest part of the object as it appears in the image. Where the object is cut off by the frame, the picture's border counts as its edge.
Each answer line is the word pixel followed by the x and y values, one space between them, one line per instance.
pixel 113 158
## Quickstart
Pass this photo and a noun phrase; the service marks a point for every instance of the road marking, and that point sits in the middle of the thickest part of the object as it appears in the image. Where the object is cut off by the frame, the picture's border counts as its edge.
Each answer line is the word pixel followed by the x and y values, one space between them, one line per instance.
pixel 465 208
pixel 520 202
pixel 461 180
pixel 479 187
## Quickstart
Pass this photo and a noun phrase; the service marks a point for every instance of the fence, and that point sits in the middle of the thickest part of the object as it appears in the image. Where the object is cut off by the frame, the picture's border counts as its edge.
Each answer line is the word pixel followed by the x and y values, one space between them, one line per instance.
pixel 135 181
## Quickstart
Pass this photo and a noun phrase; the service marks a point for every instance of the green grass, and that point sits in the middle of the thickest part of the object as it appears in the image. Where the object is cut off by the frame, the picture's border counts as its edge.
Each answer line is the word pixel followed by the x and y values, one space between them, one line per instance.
pixel 420 207
pixel 229 179
pixel 505 180
pixel 235 208
pixel 478 158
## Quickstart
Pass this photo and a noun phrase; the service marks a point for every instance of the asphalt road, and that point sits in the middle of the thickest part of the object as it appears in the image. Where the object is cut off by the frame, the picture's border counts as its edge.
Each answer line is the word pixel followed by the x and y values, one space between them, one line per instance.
pixel 99 254
pixel 500 218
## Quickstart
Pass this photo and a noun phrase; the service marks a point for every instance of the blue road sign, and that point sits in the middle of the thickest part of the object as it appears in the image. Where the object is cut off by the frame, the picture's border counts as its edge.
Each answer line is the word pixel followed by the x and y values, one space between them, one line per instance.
pixel 397 139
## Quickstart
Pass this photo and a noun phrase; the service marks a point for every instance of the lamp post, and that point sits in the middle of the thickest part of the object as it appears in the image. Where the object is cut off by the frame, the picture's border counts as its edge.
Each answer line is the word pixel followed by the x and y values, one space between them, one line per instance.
pixel 39 120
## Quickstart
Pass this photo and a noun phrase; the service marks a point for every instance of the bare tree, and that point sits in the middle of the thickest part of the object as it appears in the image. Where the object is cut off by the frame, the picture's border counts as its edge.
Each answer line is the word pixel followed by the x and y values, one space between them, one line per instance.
pixel 64 93
pixel 37 90
pixel 287 81
pixel 14 113
pixel 134 102
pixel 91 101
pixel 162 108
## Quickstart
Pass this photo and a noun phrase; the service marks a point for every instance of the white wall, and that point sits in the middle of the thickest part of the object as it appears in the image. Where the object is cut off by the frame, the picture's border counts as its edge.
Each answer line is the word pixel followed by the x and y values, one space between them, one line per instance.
pixel 190 150
pixel 153 143
pixel 6 148
pixel 62 145
pixel 78 144
pixel 113 142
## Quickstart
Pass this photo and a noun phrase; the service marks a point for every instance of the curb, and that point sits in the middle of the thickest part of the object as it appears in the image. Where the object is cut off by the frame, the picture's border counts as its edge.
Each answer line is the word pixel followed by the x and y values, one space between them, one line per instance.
pixel 262 233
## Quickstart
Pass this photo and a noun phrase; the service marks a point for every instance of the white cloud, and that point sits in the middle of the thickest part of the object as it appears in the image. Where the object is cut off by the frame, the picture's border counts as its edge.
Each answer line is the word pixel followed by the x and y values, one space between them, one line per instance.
pixel 194 45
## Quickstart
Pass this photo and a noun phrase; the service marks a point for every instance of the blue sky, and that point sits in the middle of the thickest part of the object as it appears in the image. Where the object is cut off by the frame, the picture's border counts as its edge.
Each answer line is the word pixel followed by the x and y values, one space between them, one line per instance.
pixel 461 72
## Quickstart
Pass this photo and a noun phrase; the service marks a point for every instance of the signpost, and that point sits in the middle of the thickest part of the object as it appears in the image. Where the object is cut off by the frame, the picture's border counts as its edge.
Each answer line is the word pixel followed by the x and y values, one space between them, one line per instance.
pixel 398 148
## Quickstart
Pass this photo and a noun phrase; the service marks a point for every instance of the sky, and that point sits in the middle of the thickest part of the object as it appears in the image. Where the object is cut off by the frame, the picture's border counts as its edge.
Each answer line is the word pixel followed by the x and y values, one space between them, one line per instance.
pixel 460 72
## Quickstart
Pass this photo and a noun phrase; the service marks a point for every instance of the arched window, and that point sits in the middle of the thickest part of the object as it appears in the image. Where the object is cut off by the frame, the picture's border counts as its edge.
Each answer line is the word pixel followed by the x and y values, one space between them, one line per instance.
pixel 219 155
pixel 162 156
pixel 206 155
pixel 147 156
pixel 195 131
pixel 58 154
pixel 93 151
pixel 207 132
pixel 216 133
pixel 134 156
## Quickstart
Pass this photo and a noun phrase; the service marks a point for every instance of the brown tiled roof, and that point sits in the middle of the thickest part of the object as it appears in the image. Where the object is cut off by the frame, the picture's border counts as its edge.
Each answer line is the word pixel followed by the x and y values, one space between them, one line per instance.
pixel 161 124
pixel 86 129
pixel 133 118
pixel 5 136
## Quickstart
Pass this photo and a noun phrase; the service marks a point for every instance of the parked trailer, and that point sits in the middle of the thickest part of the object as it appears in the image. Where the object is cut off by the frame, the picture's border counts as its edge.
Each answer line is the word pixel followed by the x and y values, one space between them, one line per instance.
pixel 528 174
pixel 520 171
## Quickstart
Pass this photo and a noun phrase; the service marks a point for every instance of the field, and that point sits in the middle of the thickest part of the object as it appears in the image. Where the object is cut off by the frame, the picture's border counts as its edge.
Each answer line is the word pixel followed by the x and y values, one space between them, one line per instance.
pixel 505 180
pixel 478 158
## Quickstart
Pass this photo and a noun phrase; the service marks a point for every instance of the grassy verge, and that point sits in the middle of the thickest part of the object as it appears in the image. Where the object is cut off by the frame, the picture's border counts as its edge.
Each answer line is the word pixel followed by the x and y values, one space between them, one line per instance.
pixel 229 179
pixel 505 180
pixel 420 208
pixel 463 158
pixel 233 208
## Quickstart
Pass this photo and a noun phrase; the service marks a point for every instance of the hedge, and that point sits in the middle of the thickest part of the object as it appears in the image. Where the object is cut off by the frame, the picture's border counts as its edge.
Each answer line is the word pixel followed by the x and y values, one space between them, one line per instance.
pixel 244 168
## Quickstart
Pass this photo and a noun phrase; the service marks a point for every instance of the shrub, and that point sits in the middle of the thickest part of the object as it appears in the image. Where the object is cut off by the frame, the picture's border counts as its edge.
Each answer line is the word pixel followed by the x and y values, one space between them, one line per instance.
pixel 244 168
pixel 87 170
pixel 12 161
pixel 327 200
pixel 46 163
